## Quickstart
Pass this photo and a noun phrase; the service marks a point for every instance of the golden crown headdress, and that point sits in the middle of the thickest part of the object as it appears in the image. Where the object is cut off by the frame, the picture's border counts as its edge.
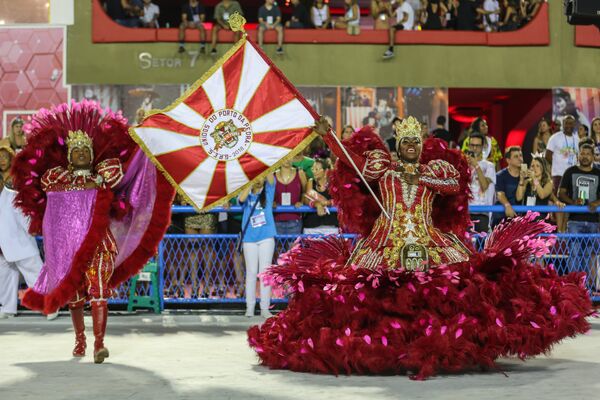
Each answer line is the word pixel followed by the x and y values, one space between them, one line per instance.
pixel 79 139
pixel 407 128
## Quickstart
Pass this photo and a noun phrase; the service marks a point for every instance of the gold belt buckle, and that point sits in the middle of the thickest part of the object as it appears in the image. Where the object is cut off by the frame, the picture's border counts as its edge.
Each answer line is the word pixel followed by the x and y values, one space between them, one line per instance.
pixel 414 257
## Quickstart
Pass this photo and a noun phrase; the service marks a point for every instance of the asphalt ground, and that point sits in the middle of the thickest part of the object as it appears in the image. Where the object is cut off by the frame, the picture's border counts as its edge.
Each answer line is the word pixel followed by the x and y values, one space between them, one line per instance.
pixel 202 356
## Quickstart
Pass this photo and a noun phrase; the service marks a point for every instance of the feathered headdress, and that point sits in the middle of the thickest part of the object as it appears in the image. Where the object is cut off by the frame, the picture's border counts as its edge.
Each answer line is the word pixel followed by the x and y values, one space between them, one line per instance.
pixel 50 135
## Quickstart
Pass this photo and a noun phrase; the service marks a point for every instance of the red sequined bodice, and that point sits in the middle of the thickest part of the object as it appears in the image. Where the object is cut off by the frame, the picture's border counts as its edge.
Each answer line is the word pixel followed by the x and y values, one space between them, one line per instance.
pixel 60 179
pixel 409 207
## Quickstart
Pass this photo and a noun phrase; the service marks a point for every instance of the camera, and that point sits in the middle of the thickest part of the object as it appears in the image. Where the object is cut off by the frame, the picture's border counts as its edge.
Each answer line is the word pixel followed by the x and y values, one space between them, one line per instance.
pixel 582 12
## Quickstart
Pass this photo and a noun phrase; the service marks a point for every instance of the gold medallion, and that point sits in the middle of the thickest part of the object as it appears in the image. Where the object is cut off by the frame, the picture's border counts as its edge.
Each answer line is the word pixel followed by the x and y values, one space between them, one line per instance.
pixel 414 257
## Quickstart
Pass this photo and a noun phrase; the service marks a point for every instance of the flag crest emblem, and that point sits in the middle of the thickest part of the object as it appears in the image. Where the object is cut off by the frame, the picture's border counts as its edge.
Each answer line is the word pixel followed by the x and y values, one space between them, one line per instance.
pixel 226 135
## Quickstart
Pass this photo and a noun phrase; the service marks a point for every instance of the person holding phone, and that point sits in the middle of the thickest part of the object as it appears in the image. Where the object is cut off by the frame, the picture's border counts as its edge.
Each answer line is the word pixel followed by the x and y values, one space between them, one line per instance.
pixel 483 180
pixel 507 182
pixel 258 240
pixel 535 185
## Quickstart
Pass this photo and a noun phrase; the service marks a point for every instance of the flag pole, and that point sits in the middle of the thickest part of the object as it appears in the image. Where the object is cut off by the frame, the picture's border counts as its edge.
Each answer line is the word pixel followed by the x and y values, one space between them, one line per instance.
pixel 359 173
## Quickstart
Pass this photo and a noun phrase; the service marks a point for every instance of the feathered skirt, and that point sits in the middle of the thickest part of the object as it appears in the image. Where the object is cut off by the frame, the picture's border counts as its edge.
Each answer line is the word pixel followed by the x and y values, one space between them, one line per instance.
pixel 451 318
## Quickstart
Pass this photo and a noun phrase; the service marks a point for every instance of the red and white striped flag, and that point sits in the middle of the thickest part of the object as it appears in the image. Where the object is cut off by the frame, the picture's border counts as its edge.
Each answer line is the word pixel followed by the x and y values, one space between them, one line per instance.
pixel 239 121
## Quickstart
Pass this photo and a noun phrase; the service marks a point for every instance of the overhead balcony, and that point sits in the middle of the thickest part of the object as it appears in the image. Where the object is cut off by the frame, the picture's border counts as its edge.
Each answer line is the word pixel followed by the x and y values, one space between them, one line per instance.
pixel 535 33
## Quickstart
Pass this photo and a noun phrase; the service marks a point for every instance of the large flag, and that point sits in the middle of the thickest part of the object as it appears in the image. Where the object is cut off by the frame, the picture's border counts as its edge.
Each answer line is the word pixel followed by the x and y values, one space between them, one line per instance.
pixel 240 121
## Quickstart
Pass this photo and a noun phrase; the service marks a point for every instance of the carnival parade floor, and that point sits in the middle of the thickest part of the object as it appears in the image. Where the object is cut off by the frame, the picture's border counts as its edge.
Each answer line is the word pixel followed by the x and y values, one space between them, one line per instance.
pixel 205 356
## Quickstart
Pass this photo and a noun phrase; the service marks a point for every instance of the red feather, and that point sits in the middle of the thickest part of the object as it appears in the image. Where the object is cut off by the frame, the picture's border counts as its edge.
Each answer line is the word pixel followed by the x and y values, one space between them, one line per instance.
pixel 46 145
pixel 357 210
pixel 407 325
pixel 450 213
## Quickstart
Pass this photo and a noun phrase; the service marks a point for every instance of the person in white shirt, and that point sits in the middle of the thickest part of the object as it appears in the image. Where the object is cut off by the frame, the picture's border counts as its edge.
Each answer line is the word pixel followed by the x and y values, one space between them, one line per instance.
pixel 351 19
pixel 319 14
pixel 18 250
pixel 561 152
pixel 405 20
pixel 151 13
pixel 483 181
pixel 492 15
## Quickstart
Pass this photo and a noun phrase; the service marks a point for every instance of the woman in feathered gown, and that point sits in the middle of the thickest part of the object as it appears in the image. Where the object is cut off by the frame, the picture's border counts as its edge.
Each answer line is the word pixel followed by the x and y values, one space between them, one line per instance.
pixel 413 296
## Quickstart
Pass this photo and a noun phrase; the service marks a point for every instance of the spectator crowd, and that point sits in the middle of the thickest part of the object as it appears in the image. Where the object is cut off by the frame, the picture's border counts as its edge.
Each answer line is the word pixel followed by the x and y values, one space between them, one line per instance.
pixel 563 173
pixel 564 170
pixel 390 15
pixel 485 15
pixel 497 177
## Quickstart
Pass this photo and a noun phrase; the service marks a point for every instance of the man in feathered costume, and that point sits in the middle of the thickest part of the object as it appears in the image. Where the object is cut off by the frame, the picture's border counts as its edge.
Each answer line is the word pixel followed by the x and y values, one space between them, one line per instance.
pixel 413 296
pixel 100 204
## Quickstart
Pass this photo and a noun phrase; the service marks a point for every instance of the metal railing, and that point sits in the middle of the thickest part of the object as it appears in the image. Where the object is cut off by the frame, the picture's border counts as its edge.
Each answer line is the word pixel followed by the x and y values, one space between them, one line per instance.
pixel 472 209
pixel 205 268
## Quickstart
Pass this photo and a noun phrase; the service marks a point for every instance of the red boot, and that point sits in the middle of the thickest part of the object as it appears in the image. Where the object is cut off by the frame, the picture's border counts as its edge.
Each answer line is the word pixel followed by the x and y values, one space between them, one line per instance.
pixel 99 316
pixel 78 325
